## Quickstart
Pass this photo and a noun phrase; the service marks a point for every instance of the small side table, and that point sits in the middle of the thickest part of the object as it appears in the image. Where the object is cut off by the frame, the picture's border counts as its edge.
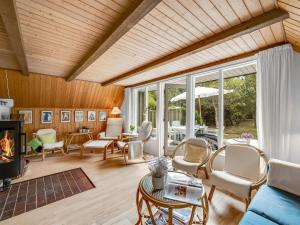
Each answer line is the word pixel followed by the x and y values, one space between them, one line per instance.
pixel 70 136
pixel 129 136
pixel 155 199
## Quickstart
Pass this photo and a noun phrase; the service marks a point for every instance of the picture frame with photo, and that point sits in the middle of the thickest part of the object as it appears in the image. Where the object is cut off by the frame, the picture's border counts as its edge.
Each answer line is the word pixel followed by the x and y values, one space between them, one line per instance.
pixel 46 116
pixel 102 116
pixel 91 116
pixel 78 115
pixel 65 116
pixel 26 115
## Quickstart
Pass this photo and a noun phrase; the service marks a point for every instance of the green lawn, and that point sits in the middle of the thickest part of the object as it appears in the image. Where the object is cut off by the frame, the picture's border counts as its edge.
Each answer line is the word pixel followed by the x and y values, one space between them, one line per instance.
pixel 236 131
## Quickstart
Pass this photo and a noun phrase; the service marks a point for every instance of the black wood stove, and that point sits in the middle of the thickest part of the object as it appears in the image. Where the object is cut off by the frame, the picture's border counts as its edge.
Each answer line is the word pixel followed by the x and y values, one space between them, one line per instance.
pixel 12 147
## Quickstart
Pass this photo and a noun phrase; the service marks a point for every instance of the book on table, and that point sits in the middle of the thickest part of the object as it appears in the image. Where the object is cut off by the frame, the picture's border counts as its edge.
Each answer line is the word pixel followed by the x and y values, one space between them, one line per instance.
pixel 161 218
pixel 184 189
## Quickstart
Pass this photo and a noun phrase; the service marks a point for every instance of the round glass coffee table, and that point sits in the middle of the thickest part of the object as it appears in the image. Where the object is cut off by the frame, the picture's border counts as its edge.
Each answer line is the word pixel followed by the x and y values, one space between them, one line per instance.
pixel 154 200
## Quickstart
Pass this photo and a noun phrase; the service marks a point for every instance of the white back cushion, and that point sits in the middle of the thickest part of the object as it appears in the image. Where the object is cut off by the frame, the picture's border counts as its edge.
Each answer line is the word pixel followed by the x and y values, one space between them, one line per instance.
pixel 45 131
pixel 114 127
pixel 145 131
pixel 243 161
pixel 284 175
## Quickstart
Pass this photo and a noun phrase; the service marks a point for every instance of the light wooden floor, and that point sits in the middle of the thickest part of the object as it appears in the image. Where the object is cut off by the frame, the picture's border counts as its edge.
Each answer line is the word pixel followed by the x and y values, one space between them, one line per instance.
pixel 112 202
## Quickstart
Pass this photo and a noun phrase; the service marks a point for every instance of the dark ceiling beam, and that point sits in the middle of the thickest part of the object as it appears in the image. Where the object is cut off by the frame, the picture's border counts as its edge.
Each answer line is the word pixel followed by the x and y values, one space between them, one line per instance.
pixel 131 18
pixel 8 11
pixel 258 22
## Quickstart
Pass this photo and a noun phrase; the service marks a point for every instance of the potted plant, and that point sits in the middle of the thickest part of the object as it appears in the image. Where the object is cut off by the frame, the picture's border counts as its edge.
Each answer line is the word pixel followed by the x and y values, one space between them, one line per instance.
pixel 247 136
pixel 159 172
pixel 131 128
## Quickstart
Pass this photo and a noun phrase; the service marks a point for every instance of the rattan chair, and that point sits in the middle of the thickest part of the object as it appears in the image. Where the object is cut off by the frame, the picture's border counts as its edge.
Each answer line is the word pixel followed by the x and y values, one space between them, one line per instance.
pixel 55 146
pixel 192 166
pixel 134 149
pixel 245 170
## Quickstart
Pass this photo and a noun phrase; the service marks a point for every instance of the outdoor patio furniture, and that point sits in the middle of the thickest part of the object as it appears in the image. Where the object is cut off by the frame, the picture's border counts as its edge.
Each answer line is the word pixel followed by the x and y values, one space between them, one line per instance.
pixel 191 156
pixel 50 143
pixel 245 170
pixel 133 150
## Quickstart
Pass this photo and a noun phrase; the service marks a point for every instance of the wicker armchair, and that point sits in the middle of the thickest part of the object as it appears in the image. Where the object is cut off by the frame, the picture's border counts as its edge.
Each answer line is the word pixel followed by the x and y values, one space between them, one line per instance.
pixel 245 170
pixel 53 146
pixel 134 149
pixel 202 152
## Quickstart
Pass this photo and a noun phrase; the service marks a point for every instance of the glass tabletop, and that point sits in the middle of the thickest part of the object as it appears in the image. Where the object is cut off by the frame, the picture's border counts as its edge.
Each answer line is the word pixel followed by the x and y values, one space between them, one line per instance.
pixel 158 195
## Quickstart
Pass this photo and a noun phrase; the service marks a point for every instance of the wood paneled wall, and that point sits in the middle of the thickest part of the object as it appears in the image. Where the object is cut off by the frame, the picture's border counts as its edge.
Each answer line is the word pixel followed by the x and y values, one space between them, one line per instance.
pixel 41 91
pixel 63 128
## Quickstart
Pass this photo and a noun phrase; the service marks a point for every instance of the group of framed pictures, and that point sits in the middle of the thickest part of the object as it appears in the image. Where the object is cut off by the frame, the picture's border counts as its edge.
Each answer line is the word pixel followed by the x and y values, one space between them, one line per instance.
pixel 65 116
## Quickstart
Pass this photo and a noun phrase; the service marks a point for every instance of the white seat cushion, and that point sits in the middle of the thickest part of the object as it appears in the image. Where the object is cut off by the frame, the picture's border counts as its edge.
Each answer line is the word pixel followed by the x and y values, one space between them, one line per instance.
pixel 189 167
pixel 234 184
pixel 96 144
pixel 109 138
pixel 55 145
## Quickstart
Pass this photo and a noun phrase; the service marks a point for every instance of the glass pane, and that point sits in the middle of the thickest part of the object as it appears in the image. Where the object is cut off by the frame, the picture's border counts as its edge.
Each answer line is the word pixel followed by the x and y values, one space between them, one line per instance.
pixel 152 96
pixel 141 107
pixel 206 108
pixel 240 104
pixel 176 115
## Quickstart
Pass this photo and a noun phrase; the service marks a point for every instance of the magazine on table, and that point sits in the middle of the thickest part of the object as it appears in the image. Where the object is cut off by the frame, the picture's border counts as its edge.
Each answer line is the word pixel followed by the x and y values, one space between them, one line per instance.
pixel 161 218
pixel 183 215
pixel 183 193
pixel 179 178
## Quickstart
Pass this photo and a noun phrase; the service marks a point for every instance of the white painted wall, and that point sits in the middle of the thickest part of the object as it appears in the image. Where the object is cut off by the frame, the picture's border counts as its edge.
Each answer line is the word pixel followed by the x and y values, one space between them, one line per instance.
pixel 295 126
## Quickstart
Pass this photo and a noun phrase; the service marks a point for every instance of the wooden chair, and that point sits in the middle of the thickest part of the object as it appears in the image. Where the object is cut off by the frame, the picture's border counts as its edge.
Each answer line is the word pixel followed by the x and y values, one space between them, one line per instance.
pixel 113 130
pixel 56 145
pixel 134 149
pixel 201 151
pixel 245 170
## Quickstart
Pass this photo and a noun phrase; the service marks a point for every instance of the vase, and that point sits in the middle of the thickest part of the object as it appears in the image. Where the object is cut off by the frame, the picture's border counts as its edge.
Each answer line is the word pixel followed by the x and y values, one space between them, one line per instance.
pixel 158 182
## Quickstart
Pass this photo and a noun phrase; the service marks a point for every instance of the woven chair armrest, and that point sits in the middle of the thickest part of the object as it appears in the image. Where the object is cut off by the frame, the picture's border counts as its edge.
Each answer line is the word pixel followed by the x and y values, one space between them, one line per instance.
pixel 214 155
pixel 263 179
pixel 176 149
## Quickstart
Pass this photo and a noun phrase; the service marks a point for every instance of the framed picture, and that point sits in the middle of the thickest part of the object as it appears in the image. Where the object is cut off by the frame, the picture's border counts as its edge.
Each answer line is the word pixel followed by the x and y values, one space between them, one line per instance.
pixel 65 116
pixel 102 116
pixel 47 116
pixel 26 115
pixel 91 116
pixel 78 116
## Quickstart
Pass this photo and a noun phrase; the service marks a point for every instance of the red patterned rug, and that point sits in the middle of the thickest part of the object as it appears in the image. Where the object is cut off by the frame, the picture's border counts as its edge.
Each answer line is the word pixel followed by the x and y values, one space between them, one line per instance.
pixel 31 194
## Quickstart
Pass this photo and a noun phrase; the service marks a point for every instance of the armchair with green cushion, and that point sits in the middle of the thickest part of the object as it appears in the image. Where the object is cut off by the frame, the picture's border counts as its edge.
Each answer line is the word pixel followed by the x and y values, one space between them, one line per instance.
pixel 50 143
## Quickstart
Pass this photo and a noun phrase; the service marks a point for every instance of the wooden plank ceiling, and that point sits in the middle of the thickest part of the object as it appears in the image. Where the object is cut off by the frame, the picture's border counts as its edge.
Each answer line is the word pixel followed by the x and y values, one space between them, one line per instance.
pixel 59 33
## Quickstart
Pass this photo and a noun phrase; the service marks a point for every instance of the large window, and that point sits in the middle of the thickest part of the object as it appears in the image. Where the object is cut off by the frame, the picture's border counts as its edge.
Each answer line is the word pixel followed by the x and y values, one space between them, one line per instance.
pixel 175 111
pixel 240 103
pixel 222 109
pixel 207 107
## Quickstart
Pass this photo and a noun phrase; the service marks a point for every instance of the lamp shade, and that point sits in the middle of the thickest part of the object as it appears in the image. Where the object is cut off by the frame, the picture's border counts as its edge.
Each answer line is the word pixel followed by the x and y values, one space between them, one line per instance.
pixel 116 111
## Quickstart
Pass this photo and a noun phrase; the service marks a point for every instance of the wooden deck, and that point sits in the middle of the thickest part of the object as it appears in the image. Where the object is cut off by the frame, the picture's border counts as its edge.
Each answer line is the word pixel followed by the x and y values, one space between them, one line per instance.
pixel 112 202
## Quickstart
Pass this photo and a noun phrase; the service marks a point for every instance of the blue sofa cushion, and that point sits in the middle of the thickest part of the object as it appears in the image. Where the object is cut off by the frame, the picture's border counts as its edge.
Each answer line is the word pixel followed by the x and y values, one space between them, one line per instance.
pixel 276 205
pixel 251 218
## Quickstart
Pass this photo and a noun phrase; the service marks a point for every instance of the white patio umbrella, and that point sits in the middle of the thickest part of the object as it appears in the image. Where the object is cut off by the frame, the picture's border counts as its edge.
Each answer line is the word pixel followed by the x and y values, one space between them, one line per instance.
pixel 202 92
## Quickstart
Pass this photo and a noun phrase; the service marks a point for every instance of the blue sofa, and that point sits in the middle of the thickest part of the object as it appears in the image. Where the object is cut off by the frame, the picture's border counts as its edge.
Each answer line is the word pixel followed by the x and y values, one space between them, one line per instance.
pixel 273 204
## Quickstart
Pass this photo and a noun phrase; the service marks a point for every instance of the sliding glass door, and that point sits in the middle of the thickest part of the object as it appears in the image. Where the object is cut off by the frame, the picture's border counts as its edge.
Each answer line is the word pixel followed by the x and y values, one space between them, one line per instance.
pixel 174 113
pixel 207 107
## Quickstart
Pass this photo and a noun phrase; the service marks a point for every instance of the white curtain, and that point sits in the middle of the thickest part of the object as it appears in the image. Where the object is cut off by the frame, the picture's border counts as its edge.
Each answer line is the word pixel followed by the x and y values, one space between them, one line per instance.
pixel 274 70
pixel 126 108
